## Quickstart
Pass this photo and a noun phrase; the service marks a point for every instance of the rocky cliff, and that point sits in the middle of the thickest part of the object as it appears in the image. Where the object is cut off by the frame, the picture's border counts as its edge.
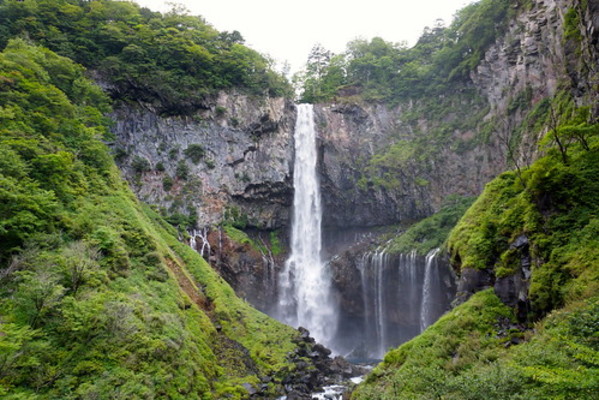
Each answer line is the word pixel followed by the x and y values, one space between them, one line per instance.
pixel 230 160
pixel 380 164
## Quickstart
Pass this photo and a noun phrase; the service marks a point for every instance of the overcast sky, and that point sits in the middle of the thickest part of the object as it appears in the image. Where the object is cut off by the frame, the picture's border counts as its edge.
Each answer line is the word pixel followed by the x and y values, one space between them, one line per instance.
pixel 287 30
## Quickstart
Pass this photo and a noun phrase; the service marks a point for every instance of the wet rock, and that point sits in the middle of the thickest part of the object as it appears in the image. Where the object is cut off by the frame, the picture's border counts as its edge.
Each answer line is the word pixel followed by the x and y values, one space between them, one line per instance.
pixel 297 395
pixel 305 334
pixel 343 368
pixel 251 273
pixel 513 289
pixel 472 281
pixel 250 388
pixel 310 376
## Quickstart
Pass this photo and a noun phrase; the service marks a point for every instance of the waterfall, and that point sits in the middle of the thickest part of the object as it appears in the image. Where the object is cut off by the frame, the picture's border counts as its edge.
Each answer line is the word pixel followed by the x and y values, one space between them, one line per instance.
pixel 304 285
pixel 402 294
pixel 379 312
pixel 203 235
pixel 426 306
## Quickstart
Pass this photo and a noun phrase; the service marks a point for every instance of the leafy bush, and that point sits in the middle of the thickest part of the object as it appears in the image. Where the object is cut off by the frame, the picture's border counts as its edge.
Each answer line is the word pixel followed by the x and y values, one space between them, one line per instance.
pixel 195 152
pixel 167 183
pixel 182 170
pixel 140 165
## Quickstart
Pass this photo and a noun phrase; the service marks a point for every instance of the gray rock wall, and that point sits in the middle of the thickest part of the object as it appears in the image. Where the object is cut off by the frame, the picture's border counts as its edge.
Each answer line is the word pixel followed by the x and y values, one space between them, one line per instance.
pixel 248 157
pixel 248 142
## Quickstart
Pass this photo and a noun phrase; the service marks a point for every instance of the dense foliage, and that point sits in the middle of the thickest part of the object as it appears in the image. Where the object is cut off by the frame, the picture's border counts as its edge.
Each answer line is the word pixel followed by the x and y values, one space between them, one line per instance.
pixel 98 298
pixel 173 60
pixel 380 70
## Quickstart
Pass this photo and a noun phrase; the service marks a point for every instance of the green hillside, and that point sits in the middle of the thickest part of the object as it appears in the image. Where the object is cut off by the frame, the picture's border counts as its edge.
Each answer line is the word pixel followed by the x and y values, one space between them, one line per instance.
pixel 98 299
pixel 547 345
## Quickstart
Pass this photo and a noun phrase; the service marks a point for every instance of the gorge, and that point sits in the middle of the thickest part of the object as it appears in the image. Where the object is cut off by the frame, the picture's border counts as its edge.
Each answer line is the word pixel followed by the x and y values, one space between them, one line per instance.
pixel 440 219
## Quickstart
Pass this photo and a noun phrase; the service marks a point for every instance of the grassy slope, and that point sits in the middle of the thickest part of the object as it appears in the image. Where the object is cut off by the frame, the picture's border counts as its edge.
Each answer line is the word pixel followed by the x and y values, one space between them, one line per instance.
pixel 97 297
pixel 465 356
pixel 471 353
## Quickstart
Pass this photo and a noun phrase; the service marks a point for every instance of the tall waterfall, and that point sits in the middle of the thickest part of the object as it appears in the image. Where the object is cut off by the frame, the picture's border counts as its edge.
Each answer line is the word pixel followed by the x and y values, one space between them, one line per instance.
pixel 304 284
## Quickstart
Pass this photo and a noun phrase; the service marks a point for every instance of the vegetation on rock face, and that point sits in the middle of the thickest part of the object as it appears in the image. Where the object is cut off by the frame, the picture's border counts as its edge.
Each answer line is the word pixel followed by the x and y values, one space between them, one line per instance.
pixel 98 299
pixel 480 350
pixel 172 60
pixel 555 204
pixel 431 232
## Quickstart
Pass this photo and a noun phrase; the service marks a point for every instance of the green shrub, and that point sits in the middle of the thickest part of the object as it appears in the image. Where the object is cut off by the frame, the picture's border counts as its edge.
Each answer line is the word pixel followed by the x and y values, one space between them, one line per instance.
pixel 182 170
pixel 167 183
pixel 195 152
pixel 140 165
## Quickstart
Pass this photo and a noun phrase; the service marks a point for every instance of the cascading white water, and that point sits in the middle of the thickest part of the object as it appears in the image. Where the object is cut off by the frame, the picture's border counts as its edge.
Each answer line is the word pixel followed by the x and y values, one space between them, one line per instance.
pixel 402 294
pixel 426 309
pixel 203 235
pixel 304 285
pixel 379 264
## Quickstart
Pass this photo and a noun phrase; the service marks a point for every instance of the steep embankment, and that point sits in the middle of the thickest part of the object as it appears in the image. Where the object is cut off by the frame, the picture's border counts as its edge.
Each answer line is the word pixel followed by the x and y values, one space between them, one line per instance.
pixel 98 298
pixel 526 251
pixel 532 238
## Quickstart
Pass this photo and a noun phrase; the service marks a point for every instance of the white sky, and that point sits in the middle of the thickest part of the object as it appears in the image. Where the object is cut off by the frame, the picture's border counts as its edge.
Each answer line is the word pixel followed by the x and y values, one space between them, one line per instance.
pixel 286 30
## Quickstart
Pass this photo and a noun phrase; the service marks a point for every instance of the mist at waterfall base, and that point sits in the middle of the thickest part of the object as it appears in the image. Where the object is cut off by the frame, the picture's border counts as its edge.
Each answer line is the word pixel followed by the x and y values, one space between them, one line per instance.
pixel 399 296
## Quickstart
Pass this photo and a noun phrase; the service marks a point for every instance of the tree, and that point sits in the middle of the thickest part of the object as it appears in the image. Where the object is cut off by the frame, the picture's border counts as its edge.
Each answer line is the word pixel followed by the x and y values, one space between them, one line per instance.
pixel 38 293
pixel 81 261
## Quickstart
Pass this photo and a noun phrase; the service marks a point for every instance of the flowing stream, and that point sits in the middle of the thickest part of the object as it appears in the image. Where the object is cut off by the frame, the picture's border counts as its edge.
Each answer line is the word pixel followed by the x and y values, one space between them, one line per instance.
pixel 304 284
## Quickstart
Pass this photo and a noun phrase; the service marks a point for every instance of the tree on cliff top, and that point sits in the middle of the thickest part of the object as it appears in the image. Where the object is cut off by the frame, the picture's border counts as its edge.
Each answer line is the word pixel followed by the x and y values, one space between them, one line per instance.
pixel 173 60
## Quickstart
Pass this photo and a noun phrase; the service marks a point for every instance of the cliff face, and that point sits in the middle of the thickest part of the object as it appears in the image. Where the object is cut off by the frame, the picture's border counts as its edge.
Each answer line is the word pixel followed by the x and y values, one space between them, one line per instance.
pixel 352 135
pixel 242 170
pixel 248 142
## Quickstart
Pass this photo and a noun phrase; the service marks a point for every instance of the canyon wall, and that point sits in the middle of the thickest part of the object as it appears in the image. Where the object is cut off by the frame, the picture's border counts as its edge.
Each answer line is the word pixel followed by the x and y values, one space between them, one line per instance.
pixel 242 175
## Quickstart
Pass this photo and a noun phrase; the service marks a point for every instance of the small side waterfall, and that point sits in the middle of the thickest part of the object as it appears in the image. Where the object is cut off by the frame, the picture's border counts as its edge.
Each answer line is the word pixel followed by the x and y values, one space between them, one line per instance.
pixel 427 316
pixel 378 263
pixel 203 235
pixel 304 284
pixel 402 294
